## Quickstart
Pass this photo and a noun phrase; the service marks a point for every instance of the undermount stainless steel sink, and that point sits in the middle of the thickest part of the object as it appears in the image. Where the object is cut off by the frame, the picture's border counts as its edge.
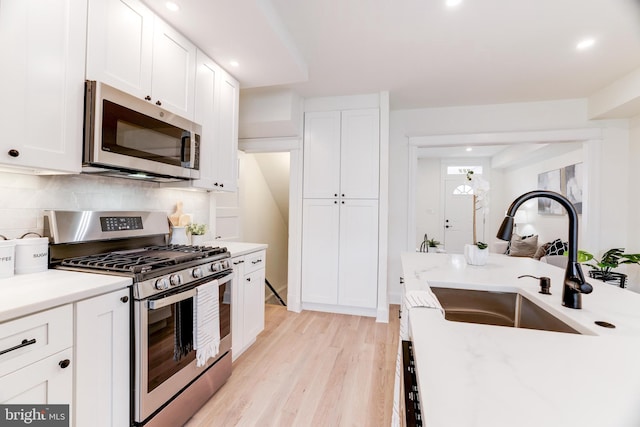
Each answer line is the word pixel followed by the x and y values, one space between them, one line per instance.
pixel 497 308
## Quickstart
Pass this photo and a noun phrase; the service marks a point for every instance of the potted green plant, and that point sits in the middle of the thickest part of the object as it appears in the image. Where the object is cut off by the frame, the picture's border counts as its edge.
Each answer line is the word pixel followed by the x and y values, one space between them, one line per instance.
pixel 197 232
pixel 429 245
pixel 433 244
pixel 602 269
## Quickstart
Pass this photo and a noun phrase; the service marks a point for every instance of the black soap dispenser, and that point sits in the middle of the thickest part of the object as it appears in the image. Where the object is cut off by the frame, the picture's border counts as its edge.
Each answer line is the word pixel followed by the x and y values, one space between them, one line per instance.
pixel 545 283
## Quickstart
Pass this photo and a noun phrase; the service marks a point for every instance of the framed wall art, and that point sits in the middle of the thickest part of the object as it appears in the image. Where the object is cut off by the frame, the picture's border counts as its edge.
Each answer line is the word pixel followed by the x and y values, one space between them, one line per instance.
pixel 551 181
pixel 572 185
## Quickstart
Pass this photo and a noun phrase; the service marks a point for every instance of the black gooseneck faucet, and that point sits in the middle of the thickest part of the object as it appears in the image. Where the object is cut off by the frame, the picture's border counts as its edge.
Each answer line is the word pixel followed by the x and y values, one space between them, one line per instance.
pixel 574 283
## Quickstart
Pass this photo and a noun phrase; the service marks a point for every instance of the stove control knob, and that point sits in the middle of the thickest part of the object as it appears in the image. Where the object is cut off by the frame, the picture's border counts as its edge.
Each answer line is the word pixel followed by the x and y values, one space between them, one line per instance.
pixel 225 264
pixel 197 273
pixel 162 284
pixel 175 279
pixel 215 267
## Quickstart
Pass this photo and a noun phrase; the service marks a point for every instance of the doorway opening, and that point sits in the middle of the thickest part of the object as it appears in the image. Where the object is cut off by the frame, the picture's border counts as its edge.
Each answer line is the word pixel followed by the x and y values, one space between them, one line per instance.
pixel 264 203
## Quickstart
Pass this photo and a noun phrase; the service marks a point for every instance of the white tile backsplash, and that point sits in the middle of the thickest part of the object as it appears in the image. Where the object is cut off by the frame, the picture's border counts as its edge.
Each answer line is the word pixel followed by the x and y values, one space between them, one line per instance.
pixel 23 198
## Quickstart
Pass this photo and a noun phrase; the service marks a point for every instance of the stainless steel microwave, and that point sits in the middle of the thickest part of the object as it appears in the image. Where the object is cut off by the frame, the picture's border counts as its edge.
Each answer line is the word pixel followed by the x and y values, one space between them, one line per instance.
pixel 129 137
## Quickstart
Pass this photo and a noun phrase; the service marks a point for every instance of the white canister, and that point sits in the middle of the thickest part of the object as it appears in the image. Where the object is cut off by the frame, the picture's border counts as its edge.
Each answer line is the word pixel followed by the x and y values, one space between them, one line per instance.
pixel 179 236
pixel 7 257
pixel 32 255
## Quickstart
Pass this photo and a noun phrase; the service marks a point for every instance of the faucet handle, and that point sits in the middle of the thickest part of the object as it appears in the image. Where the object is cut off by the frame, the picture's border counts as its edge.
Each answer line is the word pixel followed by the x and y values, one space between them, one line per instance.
pixel 545 283
pixel 586 288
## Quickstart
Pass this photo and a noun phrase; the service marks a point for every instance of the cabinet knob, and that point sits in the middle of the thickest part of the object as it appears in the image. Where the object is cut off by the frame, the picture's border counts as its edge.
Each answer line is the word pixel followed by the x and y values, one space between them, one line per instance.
pixel 222 185
pixel 248 279
pixel 147 98
pixel 64 363
pixel 14 153
pixel 343 202
pixel 343 195
pixel 335 202
pixel 335 195
pixel 215 184
pixel 124 299
pixel 158 103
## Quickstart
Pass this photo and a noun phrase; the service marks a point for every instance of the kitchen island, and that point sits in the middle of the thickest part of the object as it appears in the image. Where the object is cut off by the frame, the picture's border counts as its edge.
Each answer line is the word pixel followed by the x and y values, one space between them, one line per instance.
pixel 482 375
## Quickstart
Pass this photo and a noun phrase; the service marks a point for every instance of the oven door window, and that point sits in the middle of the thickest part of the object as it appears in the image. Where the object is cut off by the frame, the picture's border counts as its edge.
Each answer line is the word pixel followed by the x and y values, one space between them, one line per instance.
pixel 131 133
pixel 170 332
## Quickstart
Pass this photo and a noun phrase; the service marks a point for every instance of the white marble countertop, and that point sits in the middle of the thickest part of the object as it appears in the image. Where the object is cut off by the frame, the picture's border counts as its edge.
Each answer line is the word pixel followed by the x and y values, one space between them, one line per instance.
pixel 238 248
pixel 480 375
pixel 25 294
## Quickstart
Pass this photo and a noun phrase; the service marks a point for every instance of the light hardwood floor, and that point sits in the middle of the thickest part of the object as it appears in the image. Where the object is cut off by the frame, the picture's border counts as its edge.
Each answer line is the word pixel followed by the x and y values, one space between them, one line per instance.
pixel 310 369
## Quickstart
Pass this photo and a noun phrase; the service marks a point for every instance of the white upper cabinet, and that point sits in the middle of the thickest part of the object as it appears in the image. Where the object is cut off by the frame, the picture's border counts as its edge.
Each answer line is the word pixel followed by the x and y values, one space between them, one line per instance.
pixel 342 154
pixel 133 50
pixel 216 109
pixel 206 113
pixel 360 154
pixel 42 46
pixel 120 45
pixel 321 155
pixel 174 70
pixel 227 146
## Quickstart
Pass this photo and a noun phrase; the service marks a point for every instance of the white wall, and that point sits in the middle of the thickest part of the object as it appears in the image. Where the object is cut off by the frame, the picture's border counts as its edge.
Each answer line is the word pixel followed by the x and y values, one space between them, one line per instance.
pixel 428 201
pixel 612 160
pixel 23 198
pixel 263 222
pixel 633 229
pixel 268 112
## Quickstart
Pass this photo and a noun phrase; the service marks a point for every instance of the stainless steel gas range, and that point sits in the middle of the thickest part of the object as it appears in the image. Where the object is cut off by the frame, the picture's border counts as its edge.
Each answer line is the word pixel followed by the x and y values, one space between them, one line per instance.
pixel 168 383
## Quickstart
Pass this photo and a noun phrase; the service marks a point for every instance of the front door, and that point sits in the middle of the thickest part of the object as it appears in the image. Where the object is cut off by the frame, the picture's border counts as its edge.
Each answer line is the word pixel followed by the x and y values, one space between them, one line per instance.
pixel 458 215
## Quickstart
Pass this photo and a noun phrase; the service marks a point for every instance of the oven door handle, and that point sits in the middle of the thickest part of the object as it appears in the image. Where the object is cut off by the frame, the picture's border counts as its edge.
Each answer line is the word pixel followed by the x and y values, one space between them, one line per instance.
pixel 163 302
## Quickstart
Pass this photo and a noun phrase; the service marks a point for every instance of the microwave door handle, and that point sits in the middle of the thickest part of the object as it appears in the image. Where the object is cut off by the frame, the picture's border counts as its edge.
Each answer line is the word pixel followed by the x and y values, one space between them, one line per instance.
pixel 184 140
pixel 163 302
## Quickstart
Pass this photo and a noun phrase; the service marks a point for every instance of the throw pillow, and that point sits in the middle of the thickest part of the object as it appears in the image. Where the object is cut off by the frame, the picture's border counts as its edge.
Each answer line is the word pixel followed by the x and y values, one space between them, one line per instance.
pixel 542 251
pixel 525 247
pixel 515 237
pixel 557 247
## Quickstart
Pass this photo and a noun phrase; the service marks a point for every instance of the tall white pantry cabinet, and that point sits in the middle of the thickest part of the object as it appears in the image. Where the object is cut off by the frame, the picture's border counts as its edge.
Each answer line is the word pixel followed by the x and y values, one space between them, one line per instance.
pixel 340 211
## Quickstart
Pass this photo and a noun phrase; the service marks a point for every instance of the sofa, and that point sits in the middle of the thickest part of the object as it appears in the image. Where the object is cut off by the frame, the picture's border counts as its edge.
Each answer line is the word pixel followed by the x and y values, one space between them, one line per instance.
pixel 529 246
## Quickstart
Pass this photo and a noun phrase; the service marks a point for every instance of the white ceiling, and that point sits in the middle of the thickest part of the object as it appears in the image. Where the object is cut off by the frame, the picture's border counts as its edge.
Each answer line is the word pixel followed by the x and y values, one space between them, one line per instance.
pixel 425 54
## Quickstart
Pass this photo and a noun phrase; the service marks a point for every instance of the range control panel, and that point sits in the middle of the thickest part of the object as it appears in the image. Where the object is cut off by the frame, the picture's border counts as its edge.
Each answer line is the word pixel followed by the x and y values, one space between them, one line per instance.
pixel 119 223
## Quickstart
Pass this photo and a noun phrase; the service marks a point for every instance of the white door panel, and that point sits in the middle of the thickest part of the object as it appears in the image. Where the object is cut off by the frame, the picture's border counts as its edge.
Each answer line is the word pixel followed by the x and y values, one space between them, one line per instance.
pixel 458 222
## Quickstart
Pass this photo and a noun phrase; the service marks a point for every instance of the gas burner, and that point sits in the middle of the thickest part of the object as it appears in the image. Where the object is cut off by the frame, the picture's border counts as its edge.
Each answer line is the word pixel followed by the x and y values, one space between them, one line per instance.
pixel 145 259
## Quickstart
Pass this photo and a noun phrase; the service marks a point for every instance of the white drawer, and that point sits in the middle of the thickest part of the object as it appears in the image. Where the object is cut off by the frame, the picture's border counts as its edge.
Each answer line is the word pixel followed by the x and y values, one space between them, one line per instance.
pixel 31 338
pixel 254 261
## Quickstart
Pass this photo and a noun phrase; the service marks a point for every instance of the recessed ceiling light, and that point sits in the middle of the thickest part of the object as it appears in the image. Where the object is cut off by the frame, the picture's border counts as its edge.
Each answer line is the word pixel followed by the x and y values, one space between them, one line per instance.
pixel 453 3
pixel 234 63
pixel 172 6
pixel 585 44
pixel 469 148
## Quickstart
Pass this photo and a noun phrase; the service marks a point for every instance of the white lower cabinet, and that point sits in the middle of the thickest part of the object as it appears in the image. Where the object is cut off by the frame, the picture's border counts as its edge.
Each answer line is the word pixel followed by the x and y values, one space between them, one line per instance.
pixel 42 361
pixel 36 360
pixel 102 380
pixel 340 254
pixel 248 300
pixel 47 381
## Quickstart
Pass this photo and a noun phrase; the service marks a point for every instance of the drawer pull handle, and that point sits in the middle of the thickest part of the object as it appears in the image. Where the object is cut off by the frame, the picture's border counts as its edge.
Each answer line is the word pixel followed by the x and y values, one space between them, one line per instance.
pixel 64 363
pixel 124 299
pixel 258 261
pixel 23 344
pixel 238 262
